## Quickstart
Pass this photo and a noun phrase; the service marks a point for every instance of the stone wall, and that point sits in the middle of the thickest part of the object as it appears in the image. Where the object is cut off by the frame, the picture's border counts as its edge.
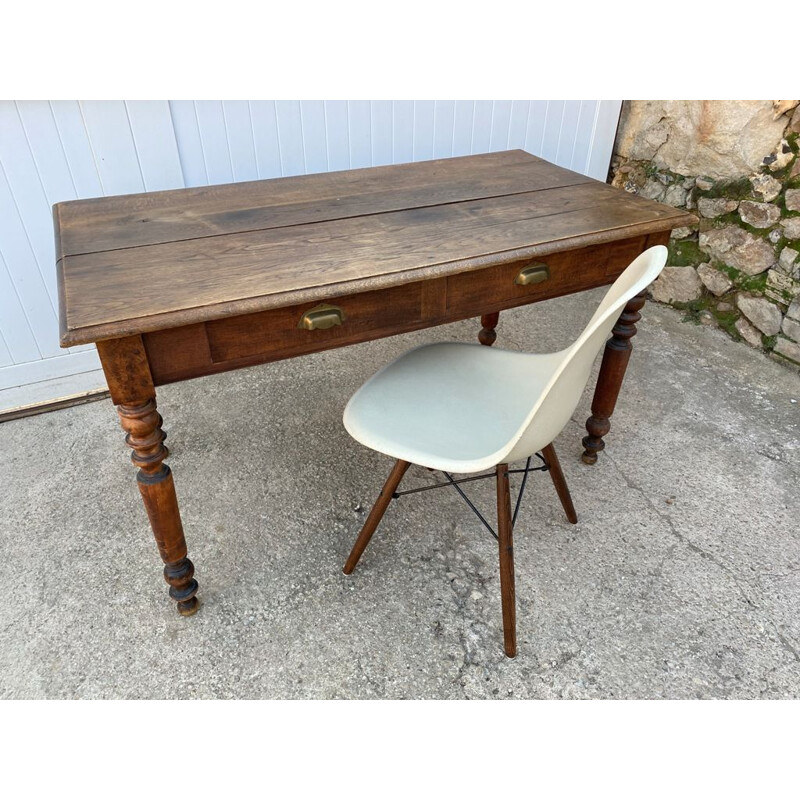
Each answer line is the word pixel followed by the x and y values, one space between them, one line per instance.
pixel 735 165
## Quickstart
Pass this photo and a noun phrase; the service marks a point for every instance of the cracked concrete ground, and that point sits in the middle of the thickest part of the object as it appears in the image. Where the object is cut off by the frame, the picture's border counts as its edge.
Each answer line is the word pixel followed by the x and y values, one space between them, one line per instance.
pixel 681 579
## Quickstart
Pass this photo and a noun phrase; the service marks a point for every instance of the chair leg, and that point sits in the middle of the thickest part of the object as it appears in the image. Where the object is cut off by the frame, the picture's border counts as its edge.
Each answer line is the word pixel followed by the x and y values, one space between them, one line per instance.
pixel 560 482
pixel 506 543
pixel 376 515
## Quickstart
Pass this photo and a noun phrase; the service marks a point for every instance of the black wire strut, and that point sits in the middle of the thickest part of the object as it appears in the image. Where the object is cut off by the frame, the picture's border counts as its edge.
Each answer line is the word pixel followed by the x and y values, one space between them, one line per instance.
pixel 454 483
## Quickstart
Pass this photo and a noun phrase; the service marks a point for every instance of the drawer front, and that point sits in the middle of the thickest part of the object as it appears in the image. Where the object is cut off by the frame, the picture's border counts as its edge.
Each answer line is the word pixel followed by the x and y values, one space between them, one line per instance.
pixel 281 332
pixel 505 286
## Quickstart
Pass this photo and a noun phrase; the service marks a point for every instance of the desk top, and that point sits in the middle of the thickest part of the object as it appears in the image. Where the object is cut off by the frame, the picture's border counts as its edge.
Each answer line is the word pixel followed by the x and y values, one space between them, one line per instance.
pixel 136 263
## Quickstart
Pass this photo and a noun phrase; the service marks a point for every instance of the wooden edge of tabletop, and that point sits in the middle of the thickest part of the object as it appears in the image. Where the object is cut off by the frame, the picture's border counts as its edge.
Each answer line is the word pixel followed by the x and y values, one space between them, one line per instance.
pixel 175 319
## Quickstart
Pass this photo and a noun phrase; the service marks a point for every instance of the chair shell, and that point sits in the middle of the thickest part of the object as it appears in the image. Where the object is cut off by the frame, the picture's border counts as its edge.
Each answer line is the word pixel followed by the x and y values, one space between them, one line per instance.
pixel 503 406
pixel 465 408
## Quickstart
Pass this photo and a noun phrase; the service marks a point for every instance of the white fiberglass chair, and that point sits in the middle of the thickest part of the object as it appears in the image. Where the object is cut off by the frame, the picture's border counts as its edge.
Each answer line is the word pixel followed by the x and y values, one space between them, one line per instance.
pixel 464 408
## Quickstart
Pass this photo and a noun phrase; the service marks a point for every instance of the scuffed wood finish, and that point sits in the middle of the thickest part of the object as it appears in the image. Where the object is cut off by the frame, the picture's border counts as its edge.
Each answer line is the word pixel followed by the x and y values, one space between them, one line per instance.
pixel 493 289
pixel 114 223
pixel 376 515
pixel 130 266
pixel 216 346
pixel 616 355
pixel 505 540
pixel 127 372
pixel 560 482
pixel 488 335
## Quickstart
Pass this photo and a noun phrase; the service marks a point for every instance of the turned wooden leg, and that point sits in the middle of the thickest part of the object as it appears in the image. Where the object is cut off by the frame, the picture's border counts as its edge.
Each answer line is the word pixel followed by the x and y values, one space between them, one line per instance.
pixel 128 375
pixel 376 515
pixel 560 482
pixel 488 333
pixel 612 371
pixel 144 436
pixel 506 545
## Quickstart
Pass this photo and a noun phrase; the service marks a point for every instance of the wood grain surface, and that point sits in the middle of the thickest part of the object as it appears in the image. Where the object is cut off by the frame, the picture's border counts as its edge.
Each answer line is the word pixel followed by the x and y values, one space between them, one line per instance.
pixel 139 263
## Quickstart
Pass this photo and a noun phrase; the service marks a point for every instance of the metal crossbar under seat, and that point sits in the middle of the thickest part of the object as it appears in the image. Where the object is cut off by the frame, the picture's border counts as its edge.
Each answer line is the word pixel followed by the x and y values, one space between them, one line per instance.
pixel 455 484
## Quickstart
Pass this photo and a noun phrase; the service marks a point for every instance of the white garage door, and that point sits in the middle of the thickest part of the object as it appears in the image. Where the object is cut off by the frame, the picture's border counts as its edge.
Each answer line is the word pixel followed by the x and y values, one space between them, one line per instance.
pixel 54 151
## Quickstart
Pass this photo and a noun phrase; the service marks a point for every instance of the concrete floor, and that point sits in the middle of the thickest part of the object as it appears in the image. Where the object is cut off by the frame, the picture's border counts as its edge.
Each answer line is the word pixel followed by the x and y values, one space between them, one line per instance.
pixel 681 580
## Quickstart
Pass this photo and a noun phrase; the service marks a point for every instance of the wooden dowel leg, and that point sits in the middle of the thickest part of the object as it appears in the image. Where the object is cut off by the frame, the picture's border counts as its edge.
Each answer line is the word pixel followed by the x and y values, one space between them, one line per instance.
pixel 375 516
pixel 488 334
pixel 616 355
pixel 506 546
pixel 560 482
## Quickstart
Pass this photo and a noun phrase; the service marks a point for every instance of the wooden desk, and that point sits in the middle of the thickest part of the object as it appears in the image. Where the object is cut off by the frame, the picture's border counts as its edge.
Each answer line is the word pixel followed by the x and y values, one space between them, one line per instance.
pixel 179 284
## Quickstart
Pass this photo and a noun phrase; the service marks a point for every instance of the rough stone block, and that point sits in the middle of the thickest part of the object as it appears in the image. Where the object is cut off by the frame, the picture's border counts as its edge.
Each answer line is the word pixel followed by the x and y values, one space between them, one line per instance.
pixel 788 261
pixel 675 196
pixel 677 284
pixel 766 316
pixel 765 187
pixel 747 332
pixel 738 248
pixel 759 215
pixel 781 287
pixel 716 206
pixel 792 197
pixel 715 281
pixel 788 349
pixel 716 139
pixel 791 327
pixel 791 227
pixel 652 190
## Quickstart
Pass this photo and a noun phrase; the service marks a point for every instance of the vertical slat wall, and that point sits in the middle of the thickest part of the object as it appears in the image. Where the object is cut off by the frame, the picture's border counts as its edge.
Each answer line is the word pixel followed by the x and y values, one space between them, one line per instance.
pixel 65 150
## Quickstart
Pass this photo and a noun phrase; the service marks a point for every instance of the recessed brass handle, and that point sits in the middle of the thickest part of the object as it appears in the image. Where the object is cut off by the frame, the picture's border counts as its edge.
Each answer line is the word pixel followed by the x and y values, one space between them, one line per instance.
pixel 535 272
pixel 321 317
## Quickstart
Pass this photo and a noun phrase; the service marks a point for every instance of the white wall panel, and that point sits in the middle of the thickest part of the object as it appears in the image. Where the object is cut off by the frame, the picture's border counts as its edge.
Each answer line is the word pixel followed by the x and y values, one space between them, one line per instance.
pixel 16 330
pixel 359 133
pixel 5 353
pixel 402 131
pixel 214 141
pixel 501 120
pixel 74 141
pixel 114 152
pixel 423 129
pixel 190 145
pixel 154 145
pixel 47 151
pixel 290 137
pixel 241 142
pixel 29 287
pixel 381 132
pixel 462 127
pixel 315 145
pixel 50 152
pixel 337 127
pixel 264 118
pixel 482 126
pixel 443 120
pixel 518 124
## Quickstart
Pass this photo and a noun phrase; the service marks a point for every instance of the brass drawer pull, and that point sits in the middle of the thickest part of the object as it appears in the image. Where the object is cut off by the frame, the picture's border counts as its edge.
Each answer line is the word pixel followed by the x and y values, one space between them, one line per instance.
pixel 321 317
pixel 535 272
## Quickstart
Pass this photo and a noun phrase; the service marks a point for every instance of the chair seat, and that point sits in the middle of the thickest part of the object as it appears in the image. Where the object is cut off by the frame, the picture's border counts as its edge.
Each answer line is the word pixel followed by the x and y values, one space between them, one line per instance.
pixel 449 406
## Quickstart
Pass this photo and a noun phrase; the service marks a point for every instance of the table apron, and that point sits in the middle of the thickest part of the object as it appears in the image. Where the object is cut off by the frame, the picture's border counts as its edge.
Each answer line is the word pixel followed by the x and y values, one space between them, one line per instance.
pixel 191 351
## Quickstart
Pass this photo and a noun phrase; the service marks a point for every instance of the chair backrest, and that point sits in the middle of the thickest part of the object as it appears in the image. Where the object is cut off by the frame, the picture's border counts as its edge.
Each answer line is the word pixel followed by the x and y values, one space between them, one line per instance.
pixel 561 396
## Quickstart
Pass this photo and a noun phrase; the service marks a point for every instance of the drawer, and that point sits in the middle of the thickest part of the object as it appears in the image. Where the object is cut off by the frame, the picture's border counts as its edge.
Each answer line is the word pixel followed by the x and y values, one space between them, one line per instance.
pixel 503 286
pixel 280 331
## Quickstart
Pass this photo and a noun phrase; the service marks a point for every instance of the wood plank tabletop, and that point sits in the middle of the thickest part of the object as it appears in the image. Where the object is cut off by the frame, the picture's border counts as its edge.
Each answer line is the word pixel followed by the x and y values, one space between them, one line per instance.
pixel 137 263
